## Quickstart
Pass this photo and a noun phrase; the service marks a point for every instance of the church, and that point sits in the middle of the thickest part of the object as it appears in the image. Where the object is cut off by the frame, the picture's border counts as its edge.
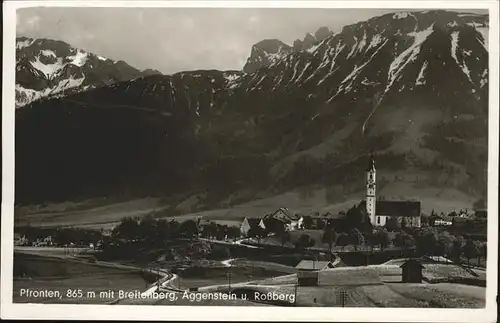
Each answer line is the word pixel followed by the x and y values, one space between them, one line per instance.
pixel 402 213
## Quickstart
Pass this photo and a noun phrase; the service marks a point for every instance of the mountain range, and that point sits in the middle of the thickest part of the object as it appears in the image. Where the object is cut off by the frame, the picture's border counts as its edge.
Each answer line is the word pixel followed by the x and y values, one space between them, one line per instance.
pixel 409 87
pixel 47 68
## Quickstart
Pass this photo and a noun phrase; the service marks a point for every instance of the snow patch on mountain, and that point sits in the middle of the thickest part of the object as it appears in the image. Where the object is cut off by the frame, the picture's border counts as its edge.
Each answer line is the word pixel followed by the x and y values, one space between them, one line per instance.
pixel 401 15
pixel 24 43
pixel 377 39
pixel 230 77
pixel 484 78
pixel 25 96
pixel 79 59
pixel 420 78
pixel 47 69
pixel 362 43
pixel 47 52
pixel 454 47
pixel 354 74
pixel 408 55
pixel 353 49
pixel 303 71
pixel 338 49
pixel 484 31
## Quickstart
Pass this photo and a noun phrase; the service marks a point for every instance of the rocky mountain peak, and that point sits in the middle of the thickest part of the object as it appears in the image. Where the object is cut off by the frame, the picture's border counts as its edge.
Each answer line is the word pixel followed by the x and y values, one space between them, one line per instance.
pixel 47 67
pixel 264 53
pixel 322 33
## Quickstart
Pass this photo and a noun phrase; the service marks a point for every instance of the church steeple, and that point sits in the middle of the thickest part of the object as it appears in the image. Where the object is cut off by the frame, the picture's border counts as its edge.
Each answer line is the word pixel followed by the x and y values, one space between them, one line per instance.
pixel 371 164
pixel 371 200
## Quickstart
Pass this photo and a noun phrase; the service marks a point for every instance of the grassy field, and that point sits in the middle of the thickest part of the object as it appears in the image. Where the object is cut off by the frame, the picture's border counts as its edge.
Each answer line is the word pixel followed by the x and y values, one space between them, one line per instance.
pixel 37 272
pixel 240 271
pixel 443 295
pixel 103 213
pixel 86 215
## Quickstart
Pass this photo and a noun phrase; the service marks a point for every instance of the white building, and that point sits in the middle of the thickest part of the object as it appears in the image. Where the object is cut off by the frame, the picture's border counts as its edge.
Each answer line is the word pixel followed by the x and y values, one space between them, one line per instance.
pixel 401 213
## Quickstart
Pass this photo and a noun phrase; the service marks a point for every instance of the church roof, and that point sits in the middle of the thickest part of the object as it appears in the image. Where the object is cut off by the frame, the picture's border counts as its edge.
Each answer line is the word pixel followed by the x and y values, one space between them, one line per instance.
pixel 398 208
pixel 371 164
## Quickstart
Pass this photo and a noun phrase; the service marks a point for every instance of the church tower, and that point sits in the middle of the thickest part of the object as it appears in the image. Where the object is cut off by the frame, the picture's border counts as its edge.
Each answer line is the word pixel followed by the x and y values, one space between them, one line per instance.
pixel 370 190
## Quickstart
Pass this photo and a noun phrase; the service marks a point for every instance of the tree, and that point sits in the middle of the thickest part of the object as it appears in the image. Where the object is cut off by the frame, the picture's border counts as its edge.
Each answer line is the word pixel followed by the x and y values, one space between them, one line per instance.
pixel 173 228
pixel 342 240
pixel 329 237
pixel 307 222
pixel 284 237
pixel 256 232
pixel 456 248
pixel 482 252
pixel 188 228
pixel 304 242
pixel 161 230
pixel 470 250
pixel 381 238
pixel 404 240
pixel 403 223
pixel 127 229
pixel 391 224
pixel 445 244
pixel 427 241
pixel 356 217
pixel 233 232
pixel 147 229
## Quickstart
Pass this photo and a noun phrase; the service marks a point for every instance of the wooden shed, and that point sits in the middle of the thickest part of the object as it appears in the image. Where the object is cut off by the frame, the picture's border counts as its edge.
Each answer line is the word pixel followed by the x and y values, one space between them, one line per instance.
pixel 307 278
pixel 412 271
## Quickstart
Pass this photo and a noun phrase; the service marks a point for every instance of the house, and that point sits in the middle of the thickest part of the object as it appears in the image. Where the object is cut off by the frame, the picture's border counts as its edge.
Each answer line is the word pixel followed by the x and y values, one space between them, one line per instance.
pixel 20 240
pixel 272 225
pixel 412 271
pixel 202 223
pixel 443 221
pixel 284 215
pixel 247 224
pixel 404 213
pixel 312 265
pixel 312 222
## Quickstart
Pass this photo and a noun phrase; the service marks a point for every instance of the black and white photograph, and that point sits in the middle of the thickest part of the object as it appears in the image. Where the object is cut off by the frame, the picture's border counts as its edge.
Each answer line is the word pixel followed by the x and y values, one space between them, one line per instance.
pixel 266 157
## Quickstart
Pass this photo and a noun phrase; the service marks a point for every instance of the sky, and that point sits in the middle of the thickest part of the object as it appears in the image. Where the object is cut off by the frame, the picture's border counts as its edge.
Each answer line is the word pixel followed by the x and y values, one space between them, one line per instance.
pixel 179 39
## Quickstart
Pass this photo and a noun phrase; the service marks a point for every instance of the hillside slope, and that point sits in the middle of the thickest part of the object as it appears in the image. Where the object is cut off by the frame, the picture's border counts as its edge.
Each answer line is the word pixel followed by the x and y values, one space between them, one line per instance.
pixel 411 87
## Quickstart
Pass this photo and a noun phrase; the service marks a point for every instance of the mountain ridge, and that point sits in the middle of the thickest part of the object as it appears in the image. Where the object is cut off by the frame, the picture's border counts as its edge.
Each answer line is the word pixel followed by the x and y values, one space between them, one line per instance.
pixel 47 67
pixel 410 87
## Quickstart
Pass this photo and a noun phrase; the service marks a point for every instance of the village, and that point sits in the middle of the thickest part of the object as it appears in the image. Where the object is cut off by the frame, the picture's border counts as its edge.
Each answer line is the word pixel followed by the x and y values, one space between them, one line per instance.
pixel 373 224
pixel 377 242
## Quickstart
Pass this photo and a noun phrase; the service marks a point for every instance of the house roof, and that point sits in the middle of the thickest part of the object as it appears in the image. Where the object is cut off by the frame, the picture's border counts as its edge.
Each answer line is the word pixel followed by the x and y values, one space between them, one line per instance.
pixel 288 214
pixel 252 221
pixel 310 264
pixel 398 208
pixel 204 222
pixel 371 164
